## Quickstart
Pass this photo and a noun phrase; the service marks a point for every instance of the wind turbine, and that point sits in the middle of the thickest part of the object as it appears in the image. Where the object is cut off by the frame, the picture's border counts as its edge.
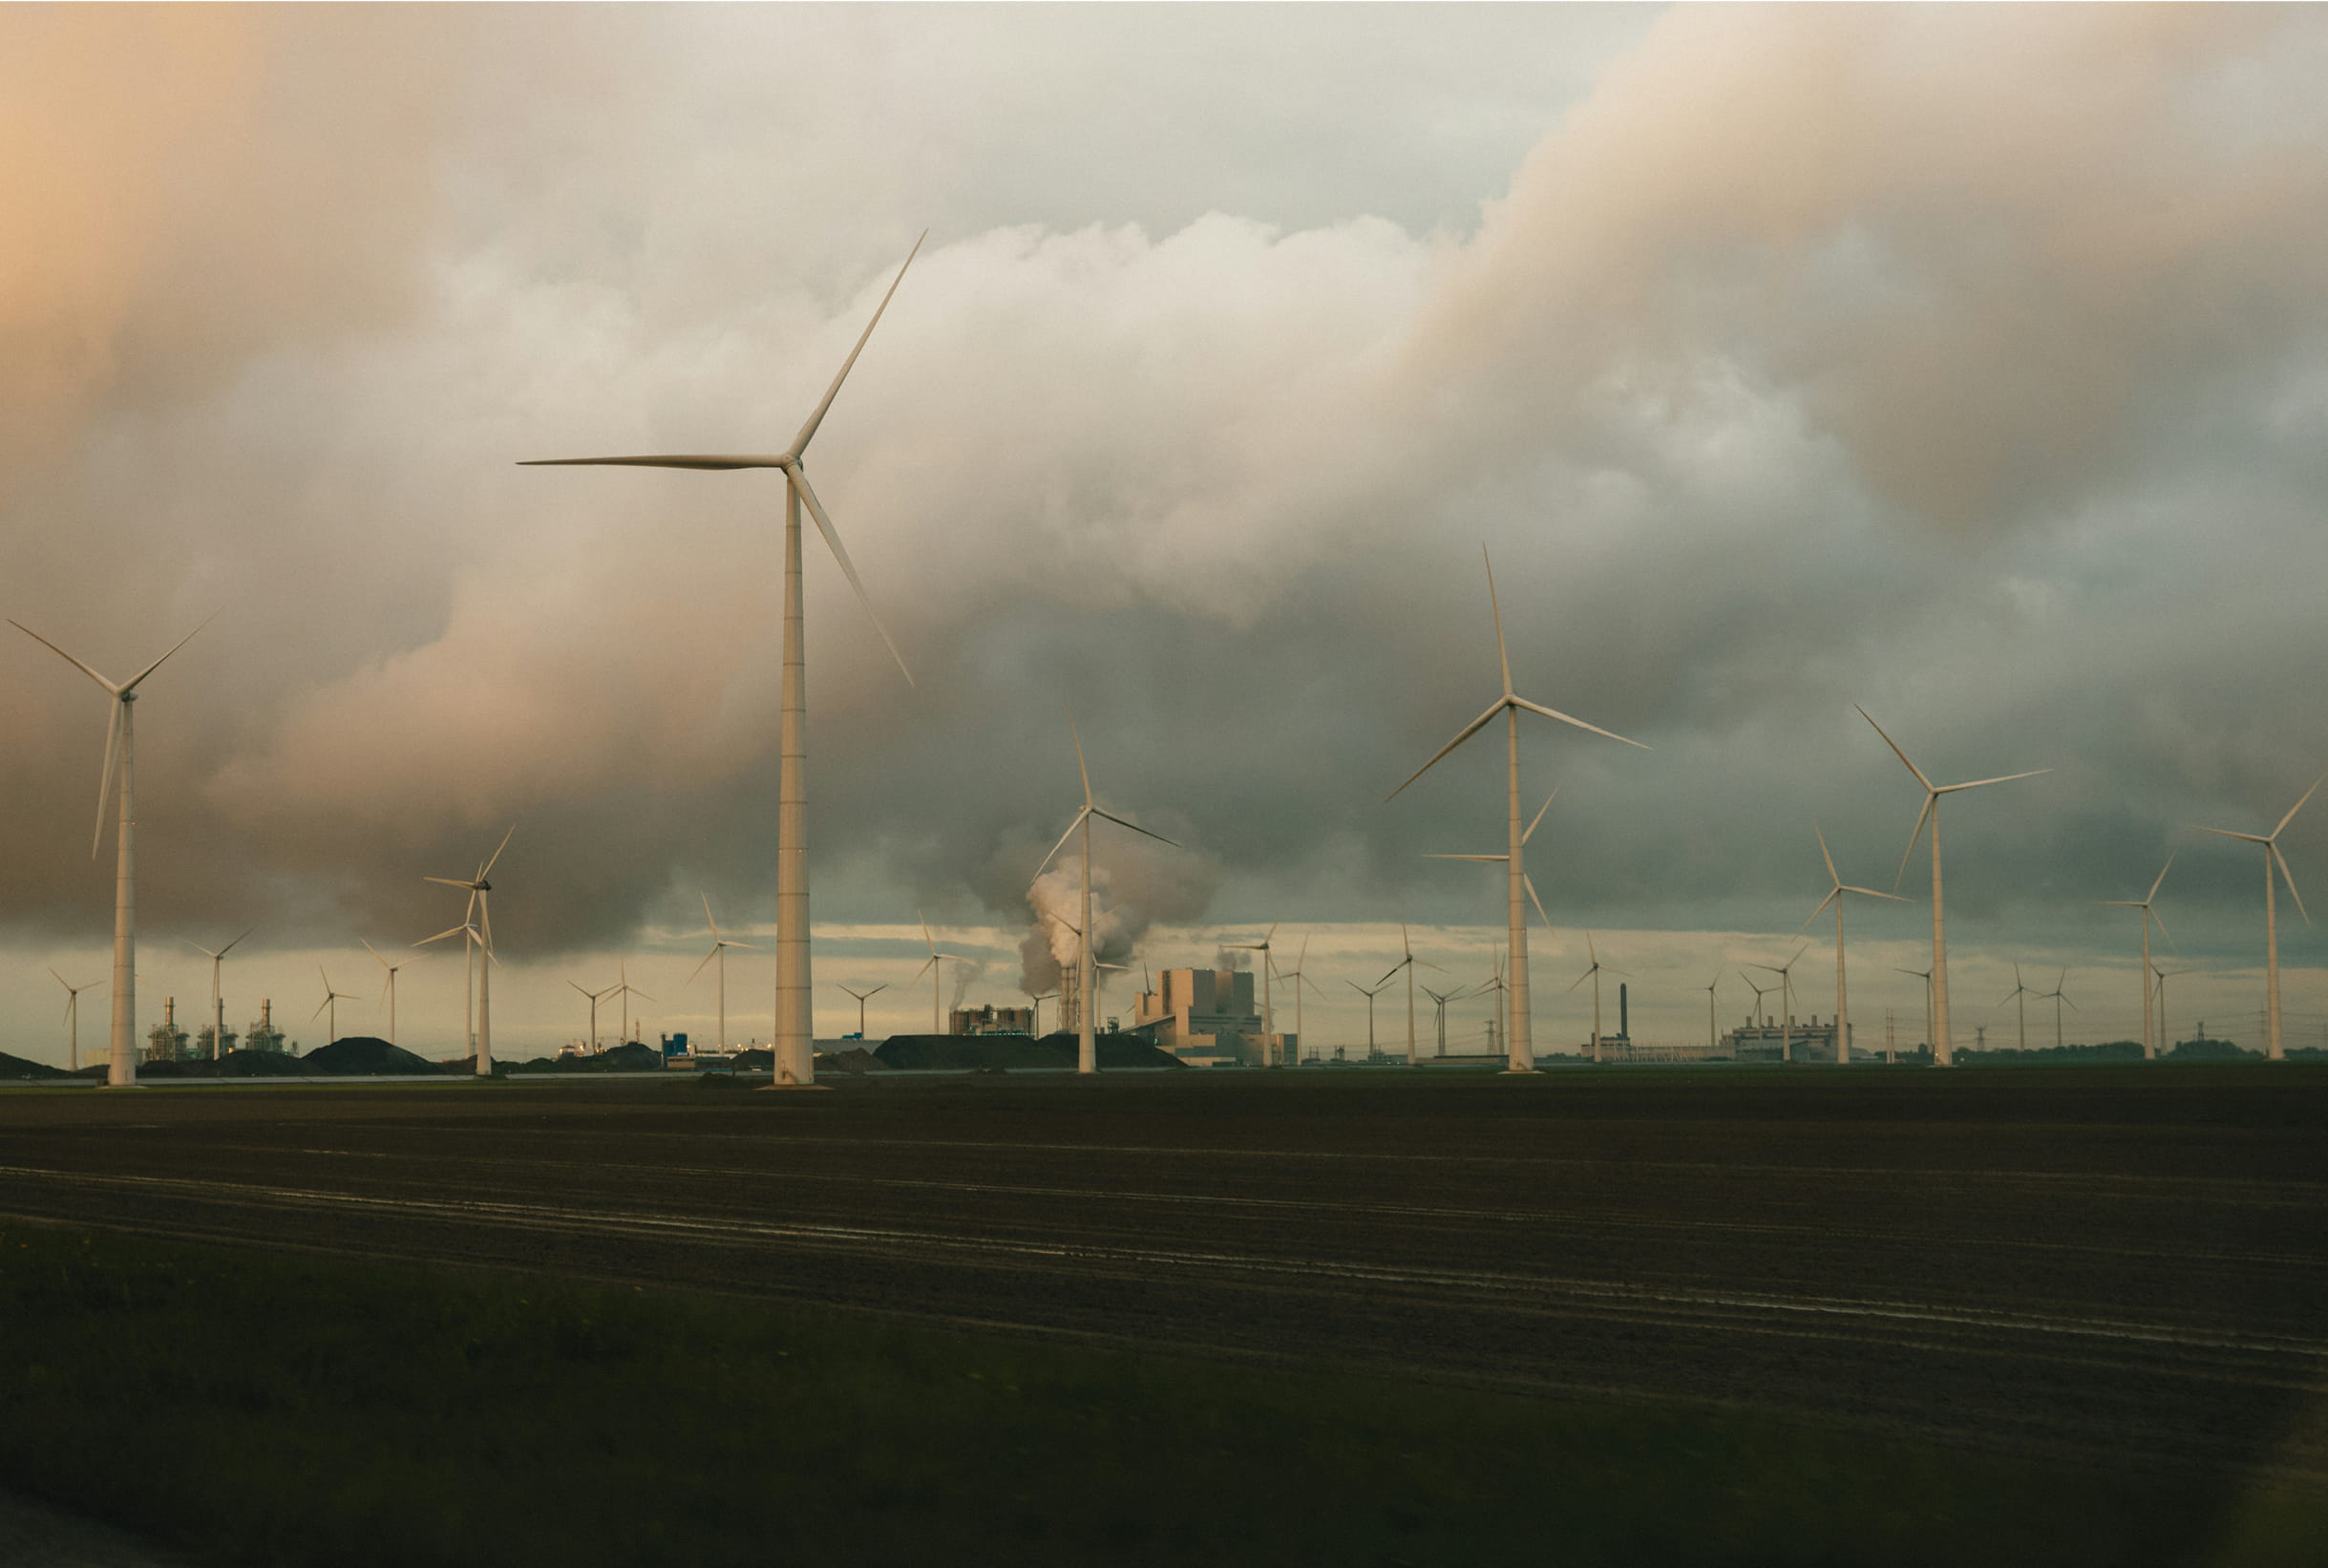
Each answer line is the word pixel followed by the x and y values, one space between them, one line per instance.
pixel 1495 983
pixel 1269 1027
pixel 1034 1012
pixel 1526 881
pixel 594 997
pixel 1300 980
pixel 1379 985
pixel 1843 1027
pixel 2271 914
pixel 73 1014
pixel 1943 1054
pixel 1757 1016
pixel 331 1000
pixel 2020 993
pixel 479 888
pixel 1925 975
pixel 2149 1051
pixel 1520 1045
pixel 2058 999
pixel 472 943
pixel 1087 1050
pixel 389 990
pixel 861 997
pixel 1713 1036
pixel 719 950
pixel 121 1071
pixel 1439 1001
pixel 218 1008
pixel 794 1023
pixel 1593 974
pixel 1785 1000
pixel 930 967
pixel 626 990
pixel 2164 1028
pixel 1407 963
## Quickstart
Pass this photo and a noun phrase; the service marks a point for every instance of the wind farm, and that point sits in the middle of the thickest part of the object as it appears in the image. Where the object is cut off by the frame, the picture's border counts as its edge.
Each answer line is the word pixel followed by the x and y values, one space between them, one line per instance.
pixel 1824 394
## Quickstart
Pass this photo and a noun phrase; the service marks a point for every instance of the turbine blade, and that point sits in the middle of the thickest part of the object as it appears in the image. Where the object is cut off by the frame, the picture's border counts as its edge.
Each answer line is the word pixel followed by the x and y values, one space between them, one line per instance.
pixel 486 870
pixel 131 685
pixel 1874 894
pixel 707 959
pixel 2162 874
pixel 1555 713
pixel 230 947
pixel 368 947
pixel 1579 981
pixel 670 460
pixel 848 568
pixel 66 657
pixel 1498 859
pixel 1931 798
pixel 440 935
pixel 1822 909
pixel 2298 806
pixel 1133 826
pixel 2162 924
pixel 2289 877
pixel 2006 778
pixel 1496 607
pixel 447 882
pixel 1529 882
pixel 808 430
pixel 1539 815
pixel 1832 875
pixel 105 778
pixel 1075 734
pixel 1896 751
pixel 2225 833
pixel 1466 732
pixel 707 913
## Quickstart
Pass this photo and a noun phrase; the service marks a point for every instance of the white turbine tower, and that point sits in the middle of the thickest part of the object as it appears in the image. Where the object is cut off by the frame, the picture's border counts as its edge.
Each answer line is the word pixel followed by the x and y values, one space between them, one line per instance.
pixel 389 991
pixel 2164 1028
pixel 862 997
pixel 331 1000
pixel 122 1072
pixel 72 1015
pixel 1842 1027
pixel 478 921
pixel 1519 1041
pixel 719 950
pixel 626 990
pixel 1943 1055
pixel 1925 975
pixel 1593 974
pixel 1713 1032
pixel 794 1023
pixel 218 1008
pixel 1087 1048
pixel 472 943
pixel 1785 1000
pixel 1757 1016
pixel 2149 1051
pixel 1439 1001
pixel 1300 980
pixel 935 970
pixel 1034 1011
pixel 2271 914
pixel 1372 1050
pixel 2057 998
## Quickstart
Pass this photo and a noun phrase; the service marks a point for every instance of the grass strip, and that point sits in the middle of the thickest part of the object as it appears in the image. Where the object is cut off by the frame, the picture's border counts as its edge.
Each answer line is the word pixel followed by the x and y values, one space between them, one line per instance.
pixel 261 1409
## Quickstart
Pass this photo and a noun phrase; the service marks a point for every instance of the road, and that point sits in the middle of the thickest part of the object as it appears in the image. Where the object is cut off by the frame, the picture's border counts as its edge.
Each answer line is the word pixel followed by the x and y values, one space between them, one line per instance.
pixel 2113 1265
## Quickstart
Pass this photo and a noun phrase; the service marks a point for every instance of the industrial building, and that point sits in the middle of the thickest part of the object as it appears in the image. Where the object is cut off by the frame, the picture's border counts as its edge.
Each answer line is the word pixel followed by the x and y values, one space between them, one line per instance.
pixel 1772 1042
pixel 1206 1017
pixel 166 1042
pixel 262 1036
pixel 990 1019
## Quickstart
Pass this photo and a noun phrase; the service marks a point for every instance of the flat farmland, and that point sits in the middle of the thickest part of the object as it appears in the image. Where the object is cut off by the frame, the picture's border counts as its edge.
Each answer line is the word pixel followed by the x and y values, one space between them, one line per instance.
pixel 2098 1265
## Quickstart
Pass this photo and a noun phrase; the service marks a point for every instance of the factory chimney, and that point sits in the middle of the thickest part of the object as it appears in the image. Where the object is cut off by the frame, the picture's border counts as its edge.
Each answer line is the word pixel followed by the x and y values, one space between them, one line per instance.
pixel 1624 1030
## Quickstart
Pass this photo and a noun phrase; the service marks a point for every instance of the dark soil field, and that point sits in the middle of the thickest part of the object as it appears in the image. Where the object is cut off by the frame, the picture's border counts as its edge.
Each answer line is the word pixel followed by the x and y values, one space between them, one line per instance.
pixel 2093 1271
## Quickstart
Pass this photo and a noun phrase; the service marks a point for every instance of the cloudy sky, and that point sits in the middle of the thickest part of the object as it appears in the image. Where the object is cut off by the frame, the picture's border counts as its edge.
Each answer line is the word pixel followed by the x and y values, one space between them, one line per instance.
pixel 1963 363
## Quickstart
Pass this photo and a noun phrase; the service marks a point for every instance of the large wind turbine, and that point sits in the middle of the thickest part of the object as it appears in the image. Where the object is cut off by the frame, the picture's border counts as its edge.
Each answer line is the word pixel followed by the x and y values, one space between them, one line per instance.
pixel 2271 914
pixel 122 1072
pixel 594 998
pixel 2164 1027
pixel 73 1014
pixel 388 990
pixel 1520 1044
pixel 626 990
pixel 1439 1001
pixel 1372 1050
pixel 719 950
pixel 1713 1034
pixel 1269 1026
pixel 2058 999
pixel 1300 961
pixel 1943 1052
pixel 331 1000
pixel 1842 1027
pixel 1925 975
pixel 861 998
pixel 795 1043
pixel 1594 974
pixel 2149 1037
pixel 218 1008
pixel 472 945
pixel 479 888
pixel 1087 1048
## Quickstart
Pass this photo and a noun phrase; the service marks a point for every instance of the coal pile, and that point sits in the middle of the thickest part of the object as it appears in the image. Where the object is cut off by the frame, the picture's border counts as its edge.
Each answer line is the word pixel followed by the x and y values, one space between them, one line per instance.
pixel 857 1059
pixel 984 1052
pixel 16 1067
pixel 260 1064
pixel 628 1057
pixel 361 1056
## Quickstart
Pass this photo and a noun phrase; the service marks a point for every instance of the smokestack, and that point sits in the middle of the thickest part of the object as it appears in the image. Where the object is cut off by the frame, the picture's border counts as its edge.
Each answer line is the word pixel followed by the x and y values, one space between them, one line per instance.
pixel 1623 1031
